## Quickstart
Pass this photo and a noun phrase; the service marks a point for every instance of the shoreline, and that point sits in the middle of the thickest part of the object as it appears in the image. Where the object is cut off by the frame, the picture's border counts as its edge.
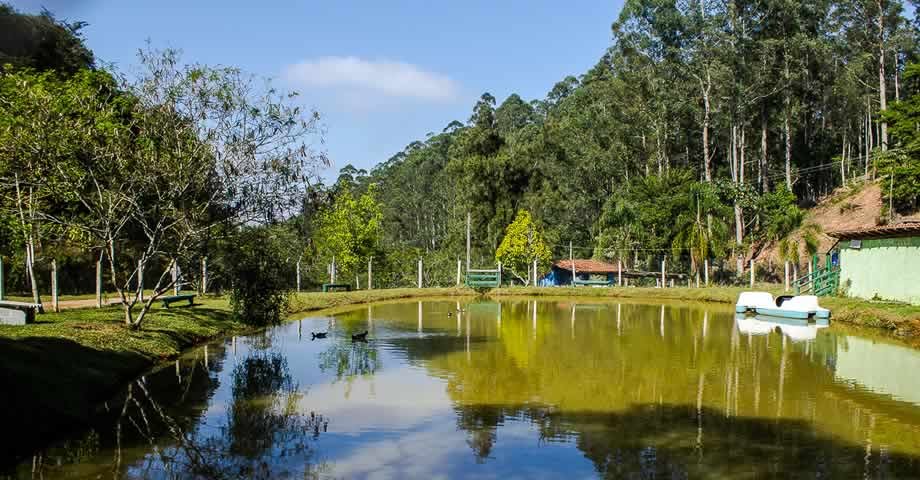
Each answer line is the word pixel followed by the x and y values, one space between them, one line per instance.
pixel 63 366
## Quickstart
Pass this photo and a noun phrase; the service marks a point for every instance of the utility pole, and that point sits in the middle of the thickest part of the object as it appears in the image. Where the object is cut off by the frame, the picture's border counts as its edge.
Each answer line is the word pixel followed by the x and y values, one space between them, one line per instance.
pixel 468 219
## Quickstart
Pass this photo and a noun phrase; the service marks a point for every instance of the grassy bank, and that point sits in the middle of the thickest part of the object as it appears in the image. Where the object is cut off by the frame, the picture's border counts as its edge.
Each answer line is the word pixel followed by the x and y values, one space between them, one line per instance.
pixel 312 301
pixel 54 372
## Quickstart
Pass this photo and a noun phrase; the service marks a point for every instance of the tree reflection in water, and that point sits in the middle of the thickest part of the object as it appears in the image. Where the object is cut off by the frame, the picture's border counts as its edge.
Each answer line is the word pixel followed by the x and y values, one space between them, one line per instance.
pixel 349 359
pixel 264 434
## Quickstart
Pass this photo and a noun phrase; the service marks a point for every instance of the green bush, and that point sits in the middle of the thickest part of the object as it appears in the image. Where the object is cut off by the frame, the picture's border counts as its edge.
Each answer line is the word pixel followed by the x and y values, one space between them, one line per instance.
pixel 260 275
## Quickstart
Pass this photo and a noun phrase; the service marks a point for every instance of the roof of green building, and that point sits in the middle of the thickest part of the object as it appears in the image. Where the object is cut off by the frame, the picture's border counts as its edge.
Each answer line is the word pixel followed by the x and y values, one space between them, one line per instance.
pixel 885 231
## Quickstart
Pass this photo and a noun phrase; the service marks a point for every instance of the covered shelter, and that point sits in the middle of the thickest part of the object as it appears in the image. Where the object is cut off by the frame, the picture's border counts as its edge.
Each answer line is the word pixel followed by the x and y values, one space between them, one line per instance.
pixel 586 270
pixel 880 262
pixel 595 273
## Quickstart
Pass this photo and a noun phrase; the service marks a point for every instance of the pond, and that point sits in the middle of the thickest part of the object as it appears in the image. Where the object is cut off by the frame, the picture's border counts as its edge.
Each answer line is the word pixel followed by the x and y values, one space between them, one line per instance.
pixel 520 388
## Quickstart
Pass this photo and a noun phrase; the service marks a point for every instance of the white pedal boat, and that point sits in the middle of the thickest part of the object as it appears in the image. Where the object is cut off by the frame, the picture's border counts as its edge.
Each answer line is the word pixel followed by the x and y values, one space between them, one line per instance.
pixel 801 307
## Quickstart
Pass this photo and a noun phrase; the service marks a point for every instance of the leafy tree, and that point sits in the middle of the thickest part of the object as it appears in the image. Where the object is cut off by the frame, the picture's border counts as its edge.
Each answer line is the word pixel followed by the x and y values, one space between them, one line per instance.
pixel 900 168
pixel 523 244
pixel 42 42
pixel 145 170
pixel 259 262
pixel 350 229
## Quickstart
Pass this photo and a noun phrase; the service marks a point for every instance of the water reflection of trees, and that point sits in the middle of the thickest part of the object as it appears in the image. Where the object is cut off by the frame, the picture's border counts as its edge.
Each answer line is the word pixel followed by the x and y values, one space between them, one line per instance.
pixel 346 359
pixel 158 428
pixel 592 369
pixel 264 434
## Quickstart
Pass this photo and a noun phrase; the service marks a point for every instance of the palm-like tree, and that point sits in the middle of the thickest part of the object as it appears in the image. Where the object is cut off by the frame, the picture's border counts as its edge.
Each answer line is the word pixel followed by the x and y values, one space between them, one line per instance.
pixel 702 232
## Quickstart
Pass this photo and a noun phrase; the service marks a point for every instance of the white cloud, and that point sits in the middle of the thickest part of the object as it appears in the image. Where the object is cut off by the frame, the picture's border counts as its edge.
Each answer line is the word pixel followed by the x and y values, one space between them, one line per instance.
pixel 357 76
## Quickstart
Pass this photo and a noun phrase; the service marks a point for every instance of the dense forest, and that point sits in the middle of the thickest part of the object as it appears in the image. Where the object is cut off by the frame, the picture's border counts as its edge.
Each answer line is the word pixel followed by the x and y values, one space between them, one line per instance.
pixel 702 134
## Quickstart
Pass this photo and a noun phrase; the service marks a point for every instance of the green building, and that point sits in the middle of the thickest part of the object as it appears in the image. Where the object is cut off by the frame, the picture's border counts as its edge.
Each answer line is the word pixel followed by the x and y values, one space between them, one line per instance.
pixel 880 262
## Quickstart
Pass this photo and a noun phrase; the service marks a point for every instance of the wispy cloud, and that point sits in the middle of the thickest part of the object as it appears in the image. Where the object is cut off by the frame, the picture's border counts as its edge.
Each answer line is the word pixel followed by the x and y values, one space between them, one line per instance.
pixel 357 76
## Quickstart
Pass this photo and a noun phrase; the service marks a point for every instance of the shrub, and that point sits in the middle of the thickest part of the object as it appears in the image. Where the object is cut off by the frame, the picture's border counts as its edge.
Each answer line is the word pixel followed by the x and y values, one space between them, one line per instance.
pixel 260 274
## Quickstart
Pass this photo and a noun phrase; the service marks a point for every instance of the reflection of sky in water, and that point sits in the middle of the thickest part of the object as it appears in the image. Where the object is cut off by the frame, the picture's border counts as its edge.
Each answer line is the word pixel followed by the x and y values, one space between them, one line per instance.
pixel 880 367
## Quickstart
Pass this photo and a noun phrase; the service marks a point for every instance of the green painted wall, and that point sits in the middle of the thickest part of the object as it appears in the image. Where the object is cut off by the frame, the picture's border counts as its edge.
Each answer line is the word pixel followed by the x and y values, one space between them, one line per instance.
pixel 887 268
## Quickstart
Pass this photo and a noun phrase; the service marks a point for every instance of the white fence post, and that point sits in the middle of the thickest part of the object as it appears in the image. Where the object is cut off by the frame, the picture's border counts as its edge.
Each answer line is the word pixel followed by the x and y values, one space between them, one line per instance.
pixel 54 286
pixel 752 273
pixel 786 275
pixel 419 272
pixel 99 282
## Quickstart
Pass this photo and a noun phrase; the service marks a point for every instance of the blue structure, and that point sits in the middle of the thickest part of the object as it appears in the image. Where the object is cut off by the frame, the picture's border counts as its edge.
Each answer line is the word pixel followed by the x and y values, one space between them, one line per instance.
pixel 587 272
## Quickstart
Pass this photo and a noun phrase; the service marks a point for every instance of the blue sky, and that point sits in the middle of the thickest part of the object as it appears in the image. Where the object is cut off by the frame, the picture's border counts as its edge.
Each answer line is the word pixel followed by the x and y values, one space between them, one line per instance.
pixel 382 73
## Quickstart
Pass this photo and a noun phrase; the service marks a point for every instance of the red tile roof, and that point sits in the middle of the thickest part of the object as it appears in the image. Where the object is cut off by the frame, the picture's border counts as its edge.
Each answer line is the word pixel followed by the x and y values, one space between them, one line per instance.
pixel 886 231
pixel 587 266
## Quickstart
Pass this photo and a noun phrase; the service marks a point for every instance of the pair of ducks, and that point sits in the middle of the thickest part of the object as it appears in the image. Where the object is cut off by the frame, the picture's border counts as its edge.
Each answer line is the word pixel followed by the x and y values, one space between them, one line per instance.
pixel 358 337
pixel 459 310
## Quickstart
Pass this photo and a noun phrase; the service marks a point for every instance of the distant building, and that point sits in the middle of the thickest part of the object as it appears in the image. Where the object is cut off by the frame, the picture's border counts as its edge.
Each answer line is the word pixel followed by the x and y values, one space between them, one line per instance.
pixel 880 262
pixel 586 270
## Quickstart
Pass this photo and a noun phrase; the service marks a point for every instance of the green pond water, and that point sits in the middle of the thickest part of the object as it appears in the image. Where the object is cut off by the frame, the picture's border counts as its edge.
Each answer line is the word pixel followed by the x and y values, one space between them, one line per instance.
pixel 524 388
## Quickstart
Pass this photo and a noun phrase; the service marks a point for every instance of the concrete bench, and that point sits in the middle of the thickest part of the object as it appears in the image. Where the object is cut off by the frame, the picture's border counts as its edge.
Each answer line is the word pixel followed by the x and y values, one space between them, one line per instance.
pixel 178 298
pixel 328 287
pixel 18 313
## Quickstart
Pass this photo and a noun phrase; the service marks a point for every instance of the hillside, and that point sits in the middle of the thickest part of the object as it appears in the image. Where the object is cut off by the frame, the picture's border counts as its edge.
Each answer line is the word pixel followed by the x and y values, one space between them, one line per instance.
pixel 851 207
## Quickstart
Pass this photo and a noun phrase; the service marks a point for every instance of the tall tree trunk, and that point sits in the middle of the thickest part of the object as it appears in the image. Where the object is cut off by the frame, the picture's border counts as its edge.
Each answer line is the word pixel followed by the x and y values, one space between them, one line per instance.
pixel 764 168
pixel 788 134
pixel 843 160
pixel 28 226
pixel 882 93
pixel 706 88
pixel 739 220
pixel 741 162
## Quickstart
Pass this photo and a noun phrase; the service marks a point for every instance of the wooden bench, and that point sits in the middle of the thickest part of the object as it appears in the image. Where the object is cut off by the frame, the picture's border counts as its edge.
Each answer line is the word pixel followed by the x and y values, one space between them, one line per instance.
pixel 178 298
pixel 18 313
pixel 328 287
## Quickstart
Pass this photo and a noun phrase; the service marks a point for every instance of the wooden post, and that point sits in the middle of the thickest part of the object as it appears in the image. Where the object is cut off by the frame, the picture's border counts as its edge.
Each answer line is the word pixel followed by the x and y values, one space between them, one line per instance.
pixel 786 275
pixel 99 282
pixel 619 273
pixel 419 272
pixel 459 271
pixel 370 273
pixel 204 275
pixel 140 280
pixel 2 292
pixel 706 272
pixel 572 260
pixel 468 241
pixel 54 286
pixel 752 273
pixel 664 282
